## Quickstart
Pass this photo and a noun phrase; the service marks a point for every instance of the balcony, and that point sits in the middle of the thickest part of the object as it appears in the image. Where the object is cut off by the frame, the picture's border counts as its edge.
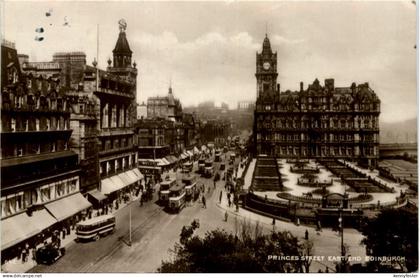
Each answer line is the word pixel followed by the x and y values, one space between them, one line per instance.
pixel 116 131
pixel 32 108
pixel 111 92
pixel 116 150
pixel 36 132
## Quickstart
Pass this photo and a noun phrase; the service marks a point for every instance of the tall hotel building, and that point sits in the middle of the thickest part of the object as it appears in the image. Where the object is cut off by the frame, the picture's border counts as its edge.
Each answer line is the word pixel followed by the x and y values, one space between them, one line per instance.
pixel 321 121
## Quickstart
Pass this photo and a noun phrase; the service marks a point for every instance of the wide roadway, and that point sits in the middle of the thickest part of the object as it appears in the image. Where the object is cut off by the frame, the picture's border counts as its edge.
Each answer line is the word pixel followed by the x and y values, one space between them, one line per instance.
pixel 154 233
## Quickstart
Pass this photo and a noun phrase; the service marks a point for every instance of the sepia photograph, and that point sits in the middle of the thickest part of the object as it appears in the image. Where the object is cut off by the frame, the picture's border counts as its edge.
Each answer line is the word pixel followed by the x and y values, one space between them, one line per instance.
pixel 209 137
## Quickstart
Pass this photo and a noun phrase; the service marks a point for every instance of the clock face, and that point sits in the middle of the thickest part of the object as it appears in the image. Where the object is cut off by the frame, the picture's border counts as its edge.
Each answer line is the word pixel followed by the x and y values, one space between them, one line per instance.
pixel 266 65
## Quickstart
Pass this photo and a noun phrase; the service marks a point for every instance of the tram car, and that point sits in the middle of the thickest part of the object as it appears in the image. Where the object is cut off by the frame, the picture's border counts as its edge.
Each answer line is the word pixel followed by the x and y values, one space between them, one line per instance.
pixel 201 165
pixel 208 169
pixel 217 156
pixel 187 167
pixel 176 198
pixel 191 189
pixel 164 190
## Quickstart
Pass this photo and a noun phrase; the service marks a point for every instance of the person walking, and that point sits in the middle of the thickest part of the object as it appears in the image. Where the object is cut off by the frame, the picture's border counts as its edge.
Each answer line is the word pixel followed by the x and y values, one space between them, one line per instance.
pixel 229 202
pixel 226 216
pixel 220 197
pixel 203 199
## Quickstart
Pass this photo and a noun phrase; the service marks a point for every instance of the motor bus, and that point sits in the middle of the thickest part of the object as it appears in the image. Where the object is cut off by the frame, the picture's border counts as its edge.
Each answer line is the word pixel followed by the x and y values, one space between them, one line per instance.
pixel 95 227
pixel 164 190
pixel 208 169
pixel 191 190
pixel 187 167
pixel 176 198
pixel 201 165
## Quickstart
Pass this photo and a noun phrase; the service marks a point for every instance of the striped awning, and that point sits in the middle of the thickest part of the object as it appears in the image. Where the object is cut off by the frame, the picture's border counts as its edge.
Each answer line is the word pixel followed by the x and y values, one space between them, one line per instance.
pixel 20 227
pixel 68 206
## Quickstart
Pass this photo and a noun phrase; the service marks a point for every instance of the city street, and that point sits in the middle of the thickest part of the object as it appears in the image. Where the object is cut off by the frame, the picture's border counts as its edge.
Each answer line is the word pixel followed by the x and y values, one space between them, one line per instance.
pixel 154 233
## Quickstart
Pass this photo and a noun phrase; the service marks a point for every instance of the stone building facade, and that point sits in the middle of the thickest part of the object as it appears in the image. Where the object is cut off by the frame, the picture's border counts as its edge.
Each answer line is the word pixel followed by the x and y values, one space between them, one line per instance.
pixel 320 121
pixel 39 171
pixel 167 107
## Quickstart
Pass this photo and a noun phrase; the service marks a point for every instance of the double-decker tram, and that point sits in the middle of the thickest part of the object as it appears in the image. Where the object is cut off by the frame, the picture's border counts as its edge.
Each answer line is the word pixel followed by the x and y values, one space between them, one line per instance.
pixel 208 169
pixel 176 198
pixel 187 167
pixel 191 190
pixel 201 165
pixel 164 190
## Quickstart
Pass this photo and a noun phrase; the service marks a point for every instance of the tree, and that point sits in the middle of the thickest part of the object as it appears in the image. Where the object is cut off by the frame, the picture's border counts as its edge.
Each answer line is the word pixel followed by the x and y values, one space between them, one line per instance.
pixel 248 250
pixel 393 233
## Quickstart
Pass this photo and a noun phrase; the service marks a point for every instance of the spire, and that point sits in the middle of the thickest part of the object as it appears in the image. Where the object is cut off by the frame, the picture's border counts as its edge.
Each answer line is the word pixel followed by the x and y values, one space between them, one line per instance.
pixel 122 52
pixel 122 46
pixel 266 45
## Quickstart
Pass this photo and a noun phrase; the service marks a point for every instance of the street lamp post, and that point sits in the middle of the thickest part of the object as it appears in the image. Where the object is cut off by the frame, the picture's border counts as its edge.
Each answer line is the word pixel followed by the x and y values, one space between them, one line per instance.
pixel 129 241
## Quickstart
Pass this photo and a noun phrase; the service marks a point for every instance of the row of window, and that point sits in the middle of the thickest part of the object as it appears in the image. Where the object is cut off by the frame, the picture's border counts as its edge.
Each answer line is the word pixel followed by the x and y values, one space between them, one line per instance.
pixel 321 107
pixel 116 142
pixel 19 124
pixel 15 203
pixel 324 151
pixel 114 166
pixel 33 102
pixel 114 116
pixel 326 137
pixel 318 124
pixel 33 148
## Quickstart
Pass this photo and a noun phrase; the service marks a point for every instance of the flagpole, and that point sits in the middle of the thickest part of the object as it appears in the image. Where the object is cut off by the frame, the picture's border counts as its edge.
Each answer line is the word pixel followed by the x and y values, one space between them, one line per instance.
pixel 97 57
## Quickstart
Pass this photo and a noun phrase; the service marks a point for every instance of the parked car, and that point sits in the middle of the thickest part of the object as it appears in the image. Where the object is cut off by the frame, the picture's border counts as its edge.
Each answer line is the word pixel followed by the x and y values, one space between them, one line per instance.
pixel 49 254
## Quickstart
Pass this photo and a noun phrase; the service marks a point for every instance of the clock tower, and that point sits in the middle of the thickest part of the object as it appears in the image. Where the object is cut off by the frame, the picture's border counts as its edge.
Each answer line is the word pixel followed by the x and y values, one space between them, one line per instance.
pixel 266 73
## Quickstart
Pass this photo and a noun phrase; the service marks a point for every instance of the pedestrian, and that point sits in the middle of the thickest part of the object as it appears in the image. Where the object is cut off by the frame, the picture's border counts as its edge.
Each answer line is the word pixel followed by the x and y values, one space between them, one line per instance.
pixel 220 196
pixel 274 222
pixel 226 216
pixel 203 199
pixel 24 254
pixel 306 235
pixel 229 202
pixel 34 254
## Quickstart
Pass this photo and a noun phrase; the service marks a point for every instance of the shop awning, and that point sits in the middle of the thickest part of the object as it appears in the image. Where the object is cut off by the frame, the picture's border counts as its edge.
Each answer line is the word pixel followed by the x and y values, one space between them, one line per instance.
pixel 107 186
pixel 119 183
pixel 196 151
pixel 190 153
pixel 165 161
pixel 68 206
pixel 174 158
pixel 159 162
pixel 169 159
pixel 183 156
pixel 97 195
pixel 138 173
pixel 132 176
pixel 20 227
pixel 126 178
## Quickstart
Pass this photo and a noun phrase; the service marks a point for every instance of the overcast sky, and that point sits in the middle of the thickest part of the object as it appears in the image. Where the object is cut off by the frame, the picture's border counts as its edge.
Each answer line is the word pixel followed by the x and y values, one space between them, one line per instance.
pixel 208 48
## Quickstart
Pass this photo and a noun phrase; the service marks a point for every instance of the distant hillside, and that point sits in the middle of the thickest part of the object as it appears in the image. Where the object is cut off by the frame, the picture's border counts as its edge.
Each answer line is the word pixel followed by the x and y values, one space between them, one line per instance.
pixel 399 132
